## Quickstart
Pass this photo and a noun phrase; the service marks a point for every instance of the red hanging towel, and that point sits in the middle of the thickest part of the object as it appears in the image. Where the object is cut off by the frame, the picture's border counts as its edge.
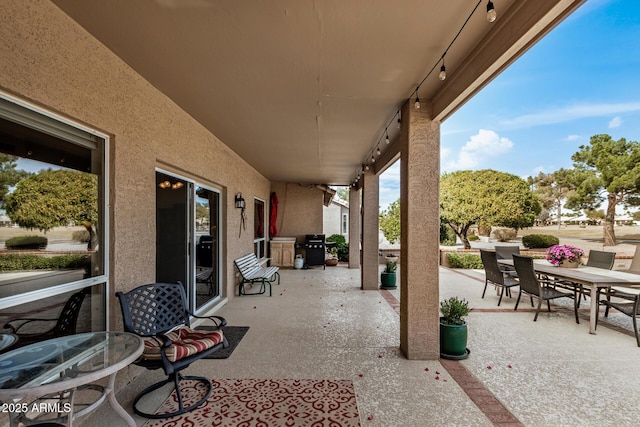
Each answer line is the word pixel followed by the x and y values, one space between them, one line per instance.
pixel 273 214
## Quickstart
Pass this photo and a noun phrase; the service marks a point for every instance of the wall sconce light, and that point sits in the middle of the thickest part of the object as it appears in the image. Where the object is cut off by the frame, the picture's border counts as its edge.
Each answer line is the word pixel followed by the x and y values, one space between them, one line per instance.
pixel 239 201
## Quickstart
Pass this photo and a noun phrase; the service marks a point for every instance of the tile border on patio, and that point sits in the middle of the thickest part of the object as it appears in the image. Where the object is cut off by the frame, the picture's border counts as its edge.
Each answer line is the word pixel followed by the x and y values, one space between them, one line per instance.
pixel 481 396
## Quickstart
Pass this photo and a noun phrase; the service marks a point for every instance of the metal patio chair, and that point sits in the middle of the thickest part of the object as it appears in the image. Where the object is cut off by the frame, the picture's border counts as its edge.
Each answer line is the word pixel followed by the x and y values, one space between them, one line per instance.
pixel 494 275
pixel 540 288
pixel 157 312
pixel 627 301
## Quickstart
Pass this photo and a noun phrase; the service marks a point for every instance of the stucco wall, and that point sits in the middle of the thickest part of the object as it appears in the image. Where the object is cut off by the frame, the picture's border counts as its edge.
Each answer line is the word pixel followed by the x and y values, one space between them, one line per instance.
pixel 299 210
pixel 50 61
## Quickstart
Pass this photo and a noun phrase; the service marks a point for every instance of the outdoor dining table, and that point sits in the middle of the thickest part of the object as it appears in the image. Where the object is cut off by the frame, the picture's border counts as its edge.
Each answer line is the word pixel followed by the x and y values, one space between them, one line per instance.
pixel 591 278
pixel 51 371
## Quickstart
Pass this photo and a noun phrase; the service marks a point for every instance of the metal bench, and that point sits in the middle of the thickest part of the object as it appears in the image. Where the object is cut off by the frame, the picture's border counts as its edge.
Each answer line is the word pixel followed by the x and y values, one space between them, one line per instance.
pixel 252 272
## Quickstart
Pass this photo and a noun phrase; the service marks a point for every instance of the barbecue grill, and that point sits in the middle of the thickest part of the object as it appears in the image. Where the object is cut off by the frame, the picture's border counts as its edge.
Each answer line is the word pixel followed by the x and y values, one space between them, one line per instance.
pixel 315 249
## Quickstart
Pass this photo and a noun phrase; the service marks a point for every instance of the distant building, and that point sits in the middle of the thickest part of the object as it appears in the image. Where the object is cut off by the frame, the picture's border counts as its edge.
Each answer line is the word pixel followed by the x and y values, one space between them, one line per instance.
pixel 336 218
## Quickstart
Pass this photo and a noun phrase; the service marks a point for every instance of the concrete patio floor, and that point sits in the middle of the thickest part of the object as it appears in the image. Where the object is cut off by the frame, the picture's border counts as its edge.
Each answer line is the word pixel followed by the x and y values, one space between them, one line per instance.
pixel 320 325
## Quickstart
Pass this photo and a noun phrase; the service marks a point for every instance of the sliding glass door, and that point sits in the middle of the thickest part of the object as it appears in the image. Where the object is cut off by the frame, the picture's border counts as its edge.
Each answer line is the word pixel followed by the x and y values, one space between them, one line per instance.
pixel 187 238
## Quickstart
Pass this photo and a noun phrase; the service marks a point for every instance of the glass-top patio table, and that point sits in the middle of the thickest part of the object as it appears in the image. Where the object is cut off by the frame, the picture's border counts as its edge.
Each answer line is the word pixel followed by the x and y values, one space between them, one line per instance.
pixel 41 379
pixel 592 278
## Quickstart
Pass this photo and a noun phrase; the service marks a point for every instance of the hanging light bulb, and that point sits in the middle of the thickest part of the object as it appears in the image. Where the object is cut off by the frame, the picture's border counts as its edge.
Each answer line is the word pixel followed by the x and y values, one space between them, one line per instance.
pixel 386 138
pixel 366 167
pixel 417 103
pixel 373 159
pixel 399 120
pixel 378 151
pixel 491 12
pixel 443 72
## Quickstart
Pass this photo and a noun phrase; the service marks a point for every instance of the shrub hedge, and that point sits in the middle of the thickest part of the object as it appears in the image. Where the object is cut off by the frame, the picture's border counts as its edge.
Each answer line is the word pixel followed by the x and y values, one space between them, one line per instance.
pixel 17 262
pixel 464 260
pixel 473 238
pixel 27 242
pixel 534 241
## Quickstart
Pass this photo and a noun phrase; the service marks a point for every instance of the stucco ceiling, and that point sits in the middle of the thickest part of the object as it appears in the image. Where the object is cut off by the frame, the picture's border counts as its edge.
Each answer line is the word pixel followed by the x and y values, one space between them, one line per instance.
pixel 303 89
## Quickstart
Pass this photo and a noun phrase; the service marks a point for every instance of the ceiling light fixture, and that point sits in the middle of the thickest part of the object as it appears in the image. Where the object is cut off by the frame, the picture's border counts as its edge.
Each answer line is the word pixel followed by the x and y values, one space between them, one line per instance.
pixel 416 105
pixel 386 138
pixel 491 12
pixel 399 120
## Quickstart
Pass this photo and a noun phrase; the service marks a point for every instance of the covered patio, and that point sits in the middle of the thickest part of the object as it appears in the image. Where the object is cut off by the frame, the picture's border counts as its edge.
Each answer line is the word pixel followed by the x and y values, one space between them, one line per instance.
pixel 321 325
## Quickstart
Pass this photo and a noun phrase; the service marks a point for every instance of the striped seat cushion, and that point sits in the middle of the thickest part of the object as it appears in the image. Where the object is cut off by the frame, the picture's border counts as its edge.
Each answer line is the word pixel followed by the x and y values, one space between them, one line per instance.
pixel 185 342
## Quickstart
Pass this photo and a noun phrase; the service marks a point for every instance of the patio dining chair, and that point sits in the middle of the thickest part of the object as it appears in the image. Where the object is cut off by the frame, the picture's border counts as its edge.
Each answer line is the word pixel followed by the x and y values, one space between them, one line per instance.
pixel 597 259
pixel 601 259
pixel 626 301
pixel 494 275
pixel 635 262
pixel 157 312
pixel 505 252
pixel 541 288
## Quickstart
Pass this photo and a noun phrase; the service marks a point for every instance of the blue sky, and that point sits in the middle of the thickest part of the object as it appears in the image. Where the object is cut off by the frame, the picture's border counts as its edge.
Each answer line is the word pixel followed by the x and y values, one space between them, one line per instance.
pixel 582 79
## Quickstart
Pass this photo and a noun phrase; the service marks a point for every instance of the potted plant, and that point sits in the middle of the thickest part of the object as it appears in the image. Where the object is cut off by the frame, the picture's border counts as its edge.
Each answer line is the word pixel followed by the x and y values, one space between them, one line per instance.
pixel 564 255
pixel 388 276
pixel 390 257
pixel 332 260
pixel 453 328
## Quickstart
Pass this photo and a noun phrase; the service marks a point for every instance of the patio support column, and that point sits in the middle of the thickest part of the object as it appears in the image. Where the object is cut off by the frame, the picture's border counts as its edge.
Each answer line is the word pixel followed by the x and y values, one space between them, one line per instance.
pixel 420 228
pixel 370 209
pixel 354 227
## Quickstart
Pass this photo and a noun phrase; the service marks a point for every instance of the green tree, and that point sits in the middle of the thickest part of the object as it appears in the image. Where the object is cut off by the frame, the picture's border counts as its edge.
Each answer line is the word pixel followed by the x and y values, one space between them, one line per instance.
pixel 552 189
pixel 9 175
pixel 54 198
pixel 390 222
pixel 606 170
pixel 486 197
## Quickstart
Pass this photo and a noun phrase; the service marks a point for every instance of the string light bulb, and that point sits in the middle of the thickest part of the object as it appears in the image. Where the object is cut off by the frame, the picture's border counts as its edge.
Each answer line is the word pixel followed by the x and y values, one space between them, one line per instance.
pixel 491 12
pixel 443 71
pixel 386 138
pixel 399 120
pixel 373 159
pixel 378 151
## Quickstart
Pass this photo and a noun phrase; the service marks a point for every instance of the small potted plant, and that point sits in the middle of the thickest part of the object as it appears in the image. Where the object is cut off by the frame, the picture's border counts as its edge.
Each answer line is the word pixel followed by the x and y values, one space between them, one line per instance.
pixel 564 255
pixel 332 260
pixel 391 257
pixel 388 276
pixel 453 328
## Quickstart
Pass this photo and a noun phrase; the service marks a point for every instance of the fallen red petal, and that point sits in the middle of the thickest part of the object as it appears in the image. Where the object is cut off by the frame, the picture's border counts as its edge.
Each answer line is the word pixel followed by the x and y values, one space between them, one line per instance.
pixel 489 367
pixel 370 417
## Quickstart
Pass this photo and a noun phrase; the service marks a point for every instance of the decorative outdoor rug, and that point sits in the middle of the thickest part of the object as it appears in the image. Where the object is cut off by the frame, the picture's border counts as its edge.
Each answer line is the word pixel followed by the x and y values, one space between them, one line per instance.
pixel 267 403
pixel 233 334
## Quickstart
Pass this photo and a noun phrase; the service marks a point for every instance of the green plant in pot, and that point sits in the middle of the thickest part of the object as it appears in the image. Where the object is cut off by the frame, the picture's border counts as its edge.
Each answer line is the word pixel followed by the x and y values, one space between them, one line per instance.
pixel 388 276
pixel 333 257
pixel 453 328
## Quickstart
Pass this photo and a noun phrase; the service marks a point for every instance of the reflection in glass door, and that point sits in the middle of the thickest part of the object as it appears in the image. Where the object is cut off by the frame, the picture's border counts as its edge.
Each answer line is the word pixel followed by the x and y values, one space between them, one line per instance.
pixel 207 221
pixel 188 238
pixel 172 231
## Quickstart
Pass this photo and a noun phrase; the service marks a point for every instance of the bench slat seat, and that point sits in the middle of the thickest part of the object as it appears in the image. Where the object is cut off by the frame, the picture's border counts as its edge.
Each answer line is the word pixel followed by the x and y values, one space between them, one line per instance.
pixel 252 272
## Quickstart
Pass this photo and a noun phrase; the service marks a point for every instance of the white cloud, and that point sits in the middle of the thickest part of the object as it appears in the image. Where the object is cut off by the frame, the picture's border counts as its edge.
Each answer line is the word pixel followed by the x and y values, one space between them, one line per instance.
pixel 389 186
pixel 483 145
pixel 615 122
pixel 568 113
pixel 573 138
